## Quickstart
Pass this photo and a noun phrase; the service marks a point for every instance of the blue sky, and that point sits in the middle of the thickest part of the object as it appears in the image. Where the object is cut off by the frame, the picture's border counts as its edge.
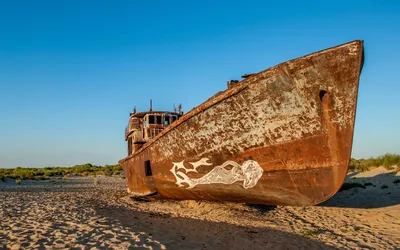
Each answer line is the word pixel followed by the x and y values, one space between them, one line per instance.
pixel 71 71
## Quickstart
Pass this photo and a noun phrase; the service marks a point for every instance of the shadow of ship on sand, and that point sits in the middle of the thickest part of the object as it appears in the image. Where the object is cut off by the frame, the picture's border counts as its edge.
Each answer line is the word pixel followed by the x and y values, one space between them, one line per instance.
pixel 184 233
pixel 366 190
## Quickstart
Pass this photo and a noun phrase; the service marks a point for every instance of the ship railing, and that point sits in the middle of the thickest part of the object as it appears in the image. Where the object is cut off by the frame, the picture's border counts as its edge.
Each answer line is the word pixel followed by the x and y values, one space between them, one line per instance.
pixel 154 132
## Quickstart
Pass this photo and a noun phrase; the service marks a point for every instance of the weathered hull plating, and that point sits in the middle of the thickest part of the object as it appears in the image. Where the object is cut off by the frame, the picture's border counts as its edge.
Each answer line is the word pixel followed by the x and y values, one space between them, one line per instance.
pixel 282 136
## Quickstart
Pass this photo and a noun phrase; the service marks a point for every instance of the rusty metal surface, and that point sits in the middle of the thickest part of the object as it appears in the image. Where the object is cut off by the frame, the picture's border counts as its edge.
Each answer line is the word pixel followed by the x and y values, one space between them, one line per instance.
pixel 294 120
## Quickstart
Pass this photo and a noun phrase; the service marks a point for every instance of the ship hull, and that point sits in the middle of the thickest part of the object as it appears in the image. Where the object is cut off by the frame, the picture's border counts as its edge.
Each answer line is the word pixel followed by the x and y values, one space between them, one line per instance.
pixel 282 136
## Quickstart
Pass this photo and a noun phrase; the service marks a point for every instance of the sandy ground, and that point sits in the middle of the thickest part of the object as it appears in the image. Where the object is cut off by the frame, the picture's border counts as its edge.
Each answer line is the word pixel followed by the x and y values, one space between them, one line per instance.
pixel 80 213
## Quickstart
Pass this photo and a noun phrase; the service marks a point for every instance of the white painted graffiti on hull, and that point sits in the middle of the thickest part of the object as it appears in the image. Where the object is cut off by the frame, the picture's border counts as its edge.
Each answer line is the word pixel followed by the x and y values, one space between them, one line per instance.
pixel 227 173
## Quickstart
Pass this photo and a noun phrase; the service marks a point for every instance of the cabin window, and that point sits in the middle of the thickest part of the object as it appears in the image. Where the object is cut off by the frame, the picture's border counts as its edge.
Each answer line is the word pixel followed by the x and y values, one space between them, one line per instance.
pixel 173 118
pixel 151 119
pixel 166 120
pixel 147 168
pixel 159 118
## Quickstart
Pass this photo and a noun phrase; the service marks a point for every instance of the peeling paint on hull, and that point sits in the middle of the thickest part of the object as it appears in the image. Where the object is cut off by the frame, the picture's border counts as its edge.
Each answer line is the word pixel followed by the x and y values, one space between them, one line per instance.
pixel 296 120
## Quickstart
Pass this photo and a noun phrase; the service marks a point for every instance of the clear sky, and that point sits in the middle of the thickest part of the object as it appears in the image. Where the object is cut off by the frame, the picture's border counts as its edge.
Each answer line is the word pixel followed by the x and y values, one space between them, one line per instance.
pixel 71 71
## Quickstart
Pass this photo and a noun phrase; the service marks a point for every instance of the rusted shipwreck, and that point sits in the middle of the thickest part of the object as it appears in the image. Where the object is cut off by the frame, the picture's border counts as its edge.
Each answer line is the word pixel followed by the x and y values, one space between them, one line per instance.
pixel 282 136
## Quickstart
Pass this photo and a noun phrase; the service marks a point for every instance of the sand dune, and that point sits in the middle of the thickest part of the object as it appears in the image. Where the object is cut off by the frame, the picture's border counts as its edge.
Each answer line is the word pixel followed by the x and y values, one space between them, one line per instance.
pixel 79 214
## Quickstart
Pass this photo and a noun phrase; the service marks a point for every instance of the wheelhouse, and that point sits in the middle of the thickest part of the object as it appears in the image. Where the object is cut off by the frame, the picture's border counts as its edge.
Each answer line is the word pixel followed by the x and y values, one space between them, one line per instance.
pixel 144 126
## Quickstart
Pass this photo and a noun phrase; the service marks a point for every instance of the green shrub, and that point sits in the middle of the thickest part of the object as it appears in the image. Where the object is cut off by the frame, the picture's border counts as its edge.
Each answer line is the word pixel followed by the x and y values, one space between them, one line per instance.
pixel 44 173
pixel 22 173
pixel 48 173
pixel 387 161
pixel 39 178
pixel 390 160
